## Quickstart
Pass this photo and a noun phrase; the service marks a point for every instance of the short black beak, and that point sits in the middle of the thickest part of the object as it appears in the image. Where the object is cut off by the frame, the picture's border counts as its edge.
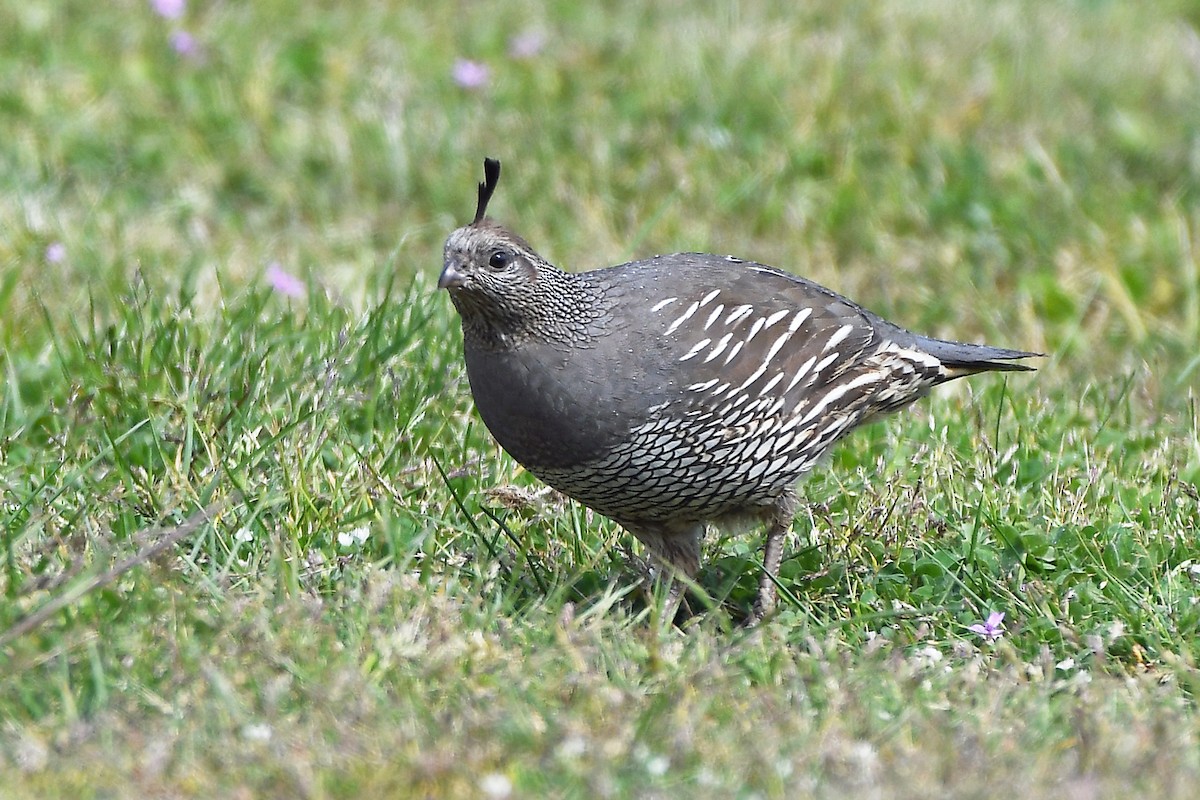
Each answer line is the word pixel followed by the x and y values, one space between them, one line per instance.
pixel 451 277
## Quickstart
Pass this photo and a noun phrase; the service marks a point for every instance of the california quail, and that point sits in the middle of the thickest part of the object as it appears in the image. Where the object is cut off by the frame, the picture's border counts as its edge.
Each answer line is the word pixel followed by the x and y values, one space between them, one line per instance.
pixel 680 390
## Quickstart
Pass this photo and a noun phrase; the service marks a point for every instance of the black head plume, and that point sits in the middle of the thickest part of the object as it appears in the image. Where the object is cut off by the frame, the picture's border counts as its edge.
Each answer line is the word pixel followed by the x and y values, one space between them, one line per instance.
pixel 491 176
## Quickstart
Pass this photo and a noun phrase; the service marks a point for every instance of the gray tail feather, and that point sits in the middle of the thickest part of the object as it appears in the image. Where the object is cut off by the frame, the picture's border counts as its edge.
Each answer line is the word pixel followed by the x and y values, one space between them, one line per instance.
pixel 962 359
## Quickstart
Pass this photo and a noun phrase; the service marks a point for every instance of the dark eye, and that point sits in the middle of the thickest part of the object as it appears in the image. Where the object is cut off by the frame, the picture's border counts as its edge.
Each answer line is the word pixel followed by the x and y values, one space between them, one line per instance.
pixel 500 259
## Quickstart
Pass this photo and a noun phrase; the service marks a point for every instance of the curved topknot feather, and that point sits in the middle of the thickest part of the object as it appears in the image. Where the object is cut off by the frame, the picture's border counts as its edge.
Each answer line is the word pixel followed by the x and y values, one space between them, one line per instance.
pixel 491 177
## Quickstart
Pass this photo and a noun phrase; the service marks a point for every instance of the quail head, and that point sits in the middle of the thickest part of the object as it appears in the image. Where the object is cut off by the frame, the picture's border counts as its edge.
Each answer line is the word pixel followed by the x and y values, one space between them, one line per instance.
pixel 682 390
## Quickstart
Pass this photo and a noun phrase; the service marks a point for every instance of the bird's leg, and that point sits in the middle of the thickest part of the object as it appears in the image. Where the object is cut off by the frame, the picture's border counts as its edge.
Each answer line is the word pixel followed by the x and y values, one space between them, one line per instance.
pixel 779 520
pixel 656 574
pixel 675 552
pixel 675 598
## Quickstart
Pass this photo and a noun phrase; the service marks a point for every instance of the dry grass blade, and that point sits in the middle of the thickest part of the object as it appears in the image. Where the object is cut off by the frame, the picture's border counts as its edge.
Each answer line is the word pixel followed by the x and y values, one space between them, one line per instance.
pixel 162 538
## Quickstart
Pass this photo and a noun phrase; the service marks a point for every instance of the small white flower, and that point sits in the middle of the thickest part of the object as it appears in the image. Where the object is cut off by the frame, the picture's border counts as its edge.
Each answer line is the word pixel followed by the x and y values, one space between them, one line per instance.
pixel 572 747
pixel 243 535
pixel 1066 665
pixel 354 536
pixel 927 657
pixel 256 732
pixel 495 785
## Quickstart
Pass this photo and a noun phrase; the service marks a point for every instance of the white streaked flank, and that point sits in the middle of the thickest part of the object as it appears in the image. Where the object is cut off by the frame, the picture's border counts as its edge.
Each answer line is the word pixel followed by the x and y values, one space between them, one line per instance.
pixel 780 443
pixel 837 392
pixel 738 314
pixel 716 312
pixel 758 373
pixel 917 356
pixel 661 304
pixel 800 373
pixel 754 329
pixel 695 351
pixel 720 348
pixel 838 336
pixel 682 318
pixel 778 315
pixel 771 384
pixel 798 320
pixel 776 346
pixel 825 362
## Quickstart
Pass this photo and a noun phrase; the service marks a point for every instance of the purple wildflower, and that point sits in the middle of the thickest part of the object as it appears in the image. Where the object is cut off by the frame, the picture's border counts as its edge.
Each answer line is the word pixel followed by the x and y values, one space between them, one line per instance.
pixel 470 74
pixel 526 44
pixel 169 9
pixel 55 252
pixel 284 282
pixel 184 44
pixel 990 629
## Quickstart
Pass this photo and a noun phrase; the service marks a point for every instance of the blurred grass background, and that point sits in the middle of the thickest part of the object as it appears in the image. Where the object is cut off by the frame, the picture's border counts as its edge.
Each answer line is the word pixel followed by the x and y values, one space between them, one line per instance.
pixel 384 604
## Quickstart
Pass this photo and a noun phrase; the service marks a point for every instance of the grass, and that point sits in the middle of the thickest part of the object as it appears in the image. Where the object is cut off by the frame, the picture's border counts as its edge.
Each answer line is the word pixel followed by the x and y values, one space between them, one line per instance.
pixel 260 545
